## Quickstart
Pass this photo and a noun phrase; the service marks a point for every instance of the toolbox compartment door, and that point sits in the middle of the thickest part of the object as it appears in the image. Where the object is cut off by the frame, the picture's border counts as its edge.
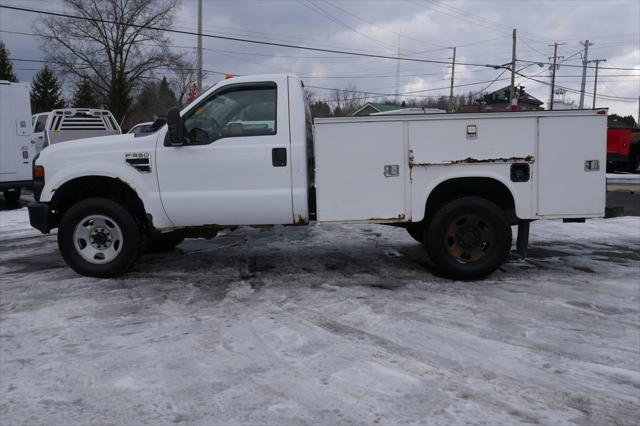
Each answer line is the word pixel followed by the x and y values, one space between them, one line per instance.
pixel 570 183
pixel 361 171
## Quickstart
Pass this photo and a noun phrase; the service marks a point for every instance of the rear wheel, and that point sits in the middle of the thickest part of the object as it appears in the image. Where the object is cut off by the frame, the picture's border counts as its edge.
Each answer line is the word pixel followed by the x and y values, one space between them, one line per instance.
pixel 99 238
pixel 11 195
pixel 469 238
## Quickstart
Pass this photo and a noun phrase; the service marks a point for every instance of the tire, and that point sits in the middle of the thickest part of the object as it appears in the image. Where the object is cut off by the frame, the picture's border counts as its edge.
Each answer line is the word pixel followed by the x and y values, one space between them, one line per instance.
pixel 161 244
pixel 11 195
pixel 469 238
pixel 634 162
pixel 416 230
pixel 99 238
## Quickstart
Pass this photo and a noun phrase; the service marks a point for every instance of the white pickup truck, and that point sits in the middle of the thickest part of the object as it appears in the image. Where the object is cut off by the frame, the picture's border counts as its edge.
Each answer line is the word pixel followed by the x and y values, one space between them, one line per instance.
pixel 246 152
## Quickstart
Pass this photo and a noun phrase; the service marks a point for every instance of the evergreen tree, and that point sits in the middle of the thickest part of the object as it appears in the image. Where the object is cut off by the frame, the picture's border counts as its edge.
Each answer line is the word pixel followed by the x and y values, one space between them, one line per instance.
pixel 6 67
pixel 147 99
pixel 615 120
pixel 46 92
pixel 84 96
pixel 155 99
pixel 320 109
pixel 166 98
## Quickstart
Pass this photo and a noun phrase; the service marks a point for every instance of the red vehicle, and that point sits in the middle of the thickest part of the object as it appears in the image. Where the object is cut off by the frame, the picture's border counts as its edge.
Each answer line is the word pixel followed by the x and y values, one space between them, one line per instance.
pixel 623 149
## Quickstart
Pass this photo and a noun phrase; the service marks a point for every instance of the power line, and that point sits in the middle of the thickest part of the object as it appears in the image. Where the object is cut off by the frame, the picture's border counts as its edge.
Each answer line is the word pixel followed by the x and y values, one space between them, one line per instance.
pixel 618 98
pixel 490 84
pixel 384 29
pixel 267 43
pixel 316 8
pixel 242 40
pixel 66 63
pixel 304 77
pixel 580 66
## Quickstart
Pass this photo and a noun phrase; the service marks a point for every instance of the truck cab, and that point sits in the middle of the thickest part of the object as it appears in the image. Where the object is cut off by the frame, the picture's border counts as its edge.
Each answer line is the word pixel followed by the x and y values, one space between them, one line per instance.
pixel 242 158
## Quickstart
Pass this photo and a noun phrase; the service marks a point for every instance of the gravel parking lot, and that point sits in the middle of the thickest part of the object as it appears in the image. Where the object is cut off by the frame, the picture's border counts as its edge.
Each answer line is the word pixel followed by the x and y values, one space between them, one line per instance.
pixel 323 325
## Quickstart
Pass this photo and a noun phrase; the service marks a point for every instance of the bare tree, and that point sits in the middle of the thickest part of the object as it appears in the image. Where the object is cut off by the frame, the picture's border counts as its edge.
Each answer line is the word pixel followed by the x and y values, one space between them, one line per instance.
pixel 184 76
pixel 310 95
pixel 112 46
pixel 346 100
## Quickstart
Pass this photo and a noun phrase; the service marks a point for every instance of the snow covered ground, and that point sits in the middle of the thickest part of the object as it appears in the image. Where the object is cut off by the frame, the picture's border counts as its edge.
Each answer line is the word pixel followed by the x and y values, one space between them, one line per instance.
pixel 323 325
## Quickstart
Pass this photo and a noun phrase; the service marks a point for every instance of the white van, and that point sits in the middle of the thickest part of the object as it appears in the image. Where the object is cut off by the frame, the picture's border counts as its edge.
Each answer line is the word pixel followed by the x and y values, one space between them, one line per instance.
pixel 61 125
pixel 16 148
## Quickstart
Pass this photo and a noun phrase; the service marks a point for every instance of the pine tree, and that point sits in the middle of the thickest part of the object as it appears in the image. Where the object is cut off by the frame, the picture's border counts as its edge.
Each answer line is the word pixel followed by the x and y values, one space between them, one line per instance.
pixel 166 98
pixel 155 98
pixel 46 92
pixel 84 96
pixel 6 67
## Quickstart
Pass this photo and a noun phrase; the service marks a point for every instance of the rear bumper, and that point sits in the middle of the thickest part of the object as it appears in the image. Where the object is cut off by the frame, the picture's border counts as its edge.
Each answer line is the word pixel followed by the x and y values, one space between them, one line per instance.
pixel 39 217
pixel 16 184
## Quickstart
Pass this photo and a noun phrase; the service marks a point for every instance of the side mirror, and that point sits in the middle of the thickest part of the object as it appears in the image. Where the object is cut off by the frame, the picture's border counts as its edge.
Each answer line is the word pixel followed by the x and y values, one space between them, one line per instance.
pixel 175 126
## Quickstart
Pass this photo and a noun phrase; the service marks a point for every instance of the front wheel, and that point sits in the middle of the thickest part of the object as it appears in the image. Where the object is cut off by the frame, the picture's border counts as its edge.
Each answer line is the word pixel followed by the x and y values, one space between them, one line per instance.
pixel 11 195
pixel 469 238
pixel 98 237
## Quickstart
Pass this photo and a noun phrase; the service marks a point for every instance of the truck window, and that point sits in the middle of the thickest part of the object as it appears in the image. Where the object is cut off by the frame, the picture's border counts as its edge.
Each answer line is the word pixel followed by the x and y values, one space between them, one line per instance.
pixel 237 111
pixel 40 123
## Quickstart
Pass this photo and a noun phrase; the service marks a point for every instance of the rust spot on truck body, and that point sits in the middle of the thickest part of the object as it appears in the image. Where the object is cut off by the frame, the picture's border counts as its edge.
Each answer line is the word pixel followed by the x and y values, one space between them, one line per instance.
pixel 470 160
pixel 399 218
pixel 300 220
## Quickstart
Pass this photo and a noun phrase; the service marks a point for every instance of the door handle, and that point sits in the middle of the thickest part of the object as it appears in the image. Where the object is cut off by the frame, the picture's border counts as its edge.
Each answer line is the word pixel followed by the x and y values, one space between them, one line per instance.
pixel 279 157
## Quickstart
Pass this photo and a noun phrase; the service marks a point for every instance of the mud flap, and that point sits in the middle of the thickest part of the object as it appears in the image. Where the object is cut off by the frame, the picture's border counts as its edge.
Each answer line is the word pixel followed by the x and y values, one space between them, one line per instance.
pixel 615 211
pixel 522 244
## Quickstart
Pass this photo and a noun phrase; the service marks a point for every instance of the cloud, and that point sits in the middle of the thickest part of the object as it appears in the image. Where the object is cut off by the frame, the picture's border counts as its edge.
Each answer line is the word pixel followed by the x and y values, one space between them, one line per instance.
pixel 480 29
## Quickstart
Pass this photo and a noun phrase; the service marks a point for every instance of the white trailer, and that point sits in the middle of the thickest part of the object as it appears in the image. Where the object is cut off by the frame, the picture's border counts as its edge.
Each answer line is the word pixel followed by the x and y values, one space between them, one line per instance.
pixel 247 152
pixel 16 148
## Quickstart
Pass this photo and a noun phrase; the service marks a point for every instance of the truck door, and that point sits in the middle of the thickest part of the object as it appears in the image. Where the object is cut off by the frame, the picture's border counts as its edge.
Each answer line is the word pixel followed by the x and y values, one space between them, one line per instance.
pixel 37 134
pixel 234 168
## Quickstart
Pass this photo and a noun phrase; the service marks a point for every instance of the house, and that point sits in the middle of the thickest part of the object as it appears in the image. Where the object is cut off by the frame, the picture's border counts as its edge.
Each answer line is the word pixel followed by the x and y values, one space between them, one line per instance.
pixel 499 100
pixel 372 107
pixel 560 100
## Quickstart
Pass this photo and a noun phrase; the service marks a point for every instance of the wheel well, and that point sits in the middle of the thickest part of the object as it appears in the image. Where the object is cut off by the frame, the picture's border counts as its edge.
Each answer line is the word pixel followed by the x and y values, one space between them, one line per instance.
pixel 96 186
pixel 488 188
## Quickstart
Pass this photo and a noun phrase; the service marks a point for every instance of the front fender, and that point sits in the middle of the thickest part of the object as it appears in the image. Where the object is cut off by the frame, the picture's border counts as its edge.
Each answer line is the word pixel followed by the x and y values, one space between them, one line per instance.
pixel 144 184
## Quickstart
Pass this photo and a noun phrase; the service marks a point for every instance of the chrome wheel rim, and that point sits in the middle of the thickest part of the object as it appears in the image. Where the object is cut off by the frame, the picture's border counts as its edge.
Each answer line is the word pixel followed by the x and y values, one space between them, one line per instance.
pixel 98 239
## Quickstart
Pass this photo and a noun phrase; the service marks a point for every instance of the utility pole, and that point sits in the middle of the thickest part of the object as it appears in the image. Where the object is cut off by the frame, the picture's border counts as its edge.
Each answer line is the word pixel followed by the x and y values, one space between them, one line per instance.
pixel 585 61
pixel 553 72
pixel 398 73
pixel 453 71
pixel 512 91
pixel 199 53
pixel 595 82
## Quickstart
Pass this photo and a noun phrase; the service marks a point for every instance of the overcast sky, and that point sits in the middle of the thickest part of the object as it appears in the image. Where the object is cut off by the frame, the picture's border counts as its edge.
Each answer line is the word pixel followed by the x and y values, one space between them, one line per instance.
pixel 481 30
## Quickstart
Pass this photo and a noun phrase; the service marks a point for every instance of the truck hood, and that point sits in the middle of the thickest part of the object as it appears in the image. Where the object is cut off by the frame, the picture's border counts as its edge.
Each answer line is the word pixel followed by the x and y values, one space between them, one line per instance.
pixel 91 147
